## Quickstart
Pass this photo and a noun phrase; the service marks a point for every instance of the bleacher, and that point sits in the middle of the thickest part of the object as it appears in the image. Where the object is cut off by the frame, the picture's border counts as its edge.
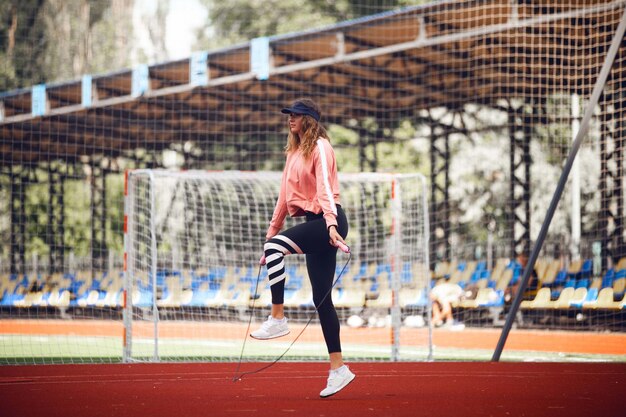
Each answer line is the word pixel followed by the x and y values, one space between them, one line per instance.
pixel 564 292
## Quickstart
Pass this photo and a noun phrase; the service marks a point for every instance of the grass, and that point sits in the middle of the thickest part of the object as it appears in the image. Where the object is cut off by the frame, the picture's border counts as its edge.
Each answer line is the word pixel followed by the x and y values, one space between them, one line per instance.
pixel 32 349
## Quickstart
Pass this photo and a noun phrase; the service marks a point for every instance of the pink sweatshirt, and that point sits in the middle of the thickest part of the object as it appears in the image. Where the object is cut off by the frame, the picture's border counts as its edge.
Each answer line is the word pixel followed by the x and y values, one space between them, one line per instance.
pixel 308 185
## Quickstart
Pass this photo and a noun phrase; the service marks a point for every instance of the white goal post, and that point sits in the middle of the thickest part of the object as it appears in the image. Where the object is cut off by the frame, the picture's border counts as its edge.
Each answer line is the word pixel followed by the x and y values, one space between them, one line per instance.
pixel 192 244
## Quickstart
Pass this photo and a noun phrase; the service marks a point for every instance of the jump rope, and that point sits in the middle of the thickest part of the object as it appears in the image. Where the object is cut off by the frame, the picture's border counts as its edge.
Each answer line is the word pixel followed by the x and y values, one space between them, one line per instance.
pixel 238 376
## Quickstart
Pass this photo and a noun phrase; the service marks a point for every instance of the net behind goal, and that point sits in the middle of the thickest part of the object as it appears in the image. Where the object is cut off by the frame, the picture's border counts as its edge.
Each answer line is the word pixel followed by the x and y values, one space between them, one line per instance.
pixel 193 241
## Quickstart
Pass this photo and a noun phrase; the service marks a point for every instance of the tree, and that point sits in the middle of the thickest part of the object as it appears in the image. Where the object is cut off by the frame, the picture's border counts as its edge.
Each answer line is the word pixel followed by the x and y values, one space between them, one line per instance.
pixel 51 40
pixel 237 21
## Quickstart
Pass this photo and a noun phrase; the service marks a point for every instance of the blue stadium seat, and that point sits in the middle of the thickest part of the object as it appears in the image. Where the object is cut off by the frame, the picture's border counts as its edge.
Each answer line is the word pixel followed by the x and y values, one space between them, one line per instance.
pixel 144 299
pixel 607 279
pixel 10 300
pixel 587 269
pixel 592 295
pixel 496 301
pixel 200 297
pixel 561 278
pixel 582 283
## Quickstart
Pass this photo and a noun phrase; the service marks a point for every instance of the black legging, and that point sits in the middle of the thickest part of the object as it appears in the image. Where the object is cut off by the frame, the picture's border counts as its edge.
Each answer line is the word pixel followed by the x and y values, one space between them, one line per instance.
pixel 310 238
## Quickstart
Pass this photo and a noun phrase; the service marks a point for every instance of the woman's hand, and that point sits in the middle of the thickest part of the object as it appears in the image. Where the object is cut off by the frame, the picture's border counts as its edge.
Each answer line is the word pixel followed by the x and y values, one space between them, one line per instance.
pixel 335 238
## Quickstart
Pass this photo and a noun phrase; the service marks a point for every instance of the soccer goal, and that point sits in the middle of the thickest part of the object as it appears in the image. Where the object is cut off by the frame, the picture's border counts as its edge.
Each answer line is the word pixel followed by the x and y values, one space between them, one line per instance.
pixel 192 278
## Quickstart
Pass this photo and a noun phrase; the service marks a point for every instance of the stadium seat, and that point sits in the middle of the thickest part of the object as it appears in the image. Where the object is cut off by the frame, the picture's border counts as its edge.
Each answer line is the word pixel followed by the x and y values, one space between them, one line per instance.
pixel 541 300
pixel 174 298
pixel 587 269
pixel 264 298
pixel 579 297
pixel 499 268
pixel 596 283
pixel 484 297
pixel 384 300
pixel 142 298
pixel 541 265
pixel 412 297
pixel 12 299
pixel 604 301
pixel 621 264
pixel 573 269
pixel 59 298
pixel 89 299
pixel 200 297
pixel 619 286
pixel 607 279
pixel 590 297
pixel 299 298
pixel 347 298
pixel 565 297
pixel 239 296
pixel 504 279
pixel 550 274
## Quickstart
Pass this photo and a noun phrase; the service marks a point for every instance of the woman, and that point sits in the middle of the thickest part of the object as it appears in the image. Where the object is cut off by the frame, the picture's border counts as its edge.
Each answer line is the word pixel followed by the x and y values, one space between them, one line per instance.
pixel 309 187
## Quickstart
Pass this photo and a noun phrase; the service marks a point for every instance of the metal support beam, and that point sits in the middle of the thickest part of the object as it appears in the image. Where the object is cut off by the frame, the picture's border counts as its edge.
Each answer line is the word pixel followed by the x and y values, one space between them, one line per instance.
pixel 99 252
pixel 20 178
pixel 611 221
pixel 56 218
pixel 439 196
pixel 520 134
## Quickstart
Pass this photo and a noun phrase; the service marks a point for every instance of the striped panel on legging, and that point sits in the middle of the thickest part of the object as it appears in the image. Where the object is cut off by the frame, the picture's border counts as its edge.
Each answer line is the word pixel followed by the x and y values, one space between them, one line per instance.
pixel 275 250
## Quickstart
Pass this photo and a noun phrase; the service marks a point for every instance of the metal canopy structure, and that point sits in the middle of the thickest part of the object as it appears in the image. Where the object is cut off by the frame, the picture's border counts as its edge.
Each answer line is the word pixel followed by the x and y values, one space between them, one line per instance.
pixel 400 62
pixel 386 67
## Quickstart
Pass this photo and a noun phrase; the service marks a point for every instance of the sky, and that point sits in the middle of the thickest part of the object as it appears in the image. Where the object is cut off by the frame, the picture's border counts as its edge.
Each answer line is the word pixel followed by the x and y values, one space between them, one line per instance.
pixel 184 17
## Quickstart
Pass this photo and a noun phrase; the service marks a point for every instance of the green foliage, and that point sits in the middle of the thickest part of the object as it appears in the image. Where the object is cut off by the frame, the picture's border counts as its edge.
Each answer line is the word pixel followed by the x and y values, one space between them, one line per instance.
pixel 49 40
pixel 238 21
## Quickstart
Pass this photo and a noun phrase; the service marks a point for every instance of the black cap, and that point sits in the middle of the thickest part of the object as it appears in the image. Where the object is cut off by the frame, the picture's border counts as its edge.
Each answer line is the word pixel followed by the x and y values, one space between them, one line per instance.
pixel 300 108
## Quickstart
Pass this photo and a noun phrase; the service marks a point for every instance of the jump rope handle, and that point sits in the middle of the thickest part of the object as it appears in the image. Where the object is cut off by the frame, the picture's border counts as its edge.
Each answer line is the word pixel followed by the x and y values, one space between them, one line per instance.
pixel 345 248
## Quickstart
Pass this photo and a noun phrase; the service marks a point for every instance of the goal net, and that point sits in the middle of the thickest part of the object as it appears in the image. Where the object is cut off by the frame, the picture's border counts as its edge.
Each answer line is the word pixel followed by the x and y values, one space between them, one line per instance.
pixel 193 241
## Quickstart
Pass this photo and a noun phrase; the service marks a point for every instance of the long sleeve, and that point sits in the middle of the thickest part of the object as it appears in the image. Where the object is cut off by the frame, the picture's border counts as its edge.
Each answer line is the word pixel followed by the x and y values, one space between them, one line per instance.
pixel 280 211
pixel 326 181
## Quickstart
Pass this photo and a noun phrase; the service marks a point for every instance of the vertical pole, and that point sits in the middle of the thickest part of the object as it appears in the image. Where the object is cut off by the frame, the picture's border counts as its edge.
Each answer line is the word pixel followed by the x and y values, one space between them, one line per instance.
pixel 426 264
pixel 396 230
pixel 575 244
pixel 153 266
pixel 128 280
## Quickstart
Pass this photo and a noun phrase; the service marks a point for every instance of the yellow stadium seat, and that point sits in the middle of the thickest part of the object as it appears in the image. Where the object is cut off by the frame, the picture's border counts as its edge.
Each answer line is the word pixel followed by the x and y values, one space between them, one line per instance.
pixel 90 300
pixel 410 296
pixel 575 266
pixel 264 299
pixel 579 296
pixel 551 272
pixel 541 300
pixel 299 298
pixel 604 300
pixel 499 269
pixel 619 285
pixel 596 283
pixel 239 296
pixel 383 300
pixel 345 298
pixel 621 264
pixel 484 295
pixel 565 297
pixel 504 280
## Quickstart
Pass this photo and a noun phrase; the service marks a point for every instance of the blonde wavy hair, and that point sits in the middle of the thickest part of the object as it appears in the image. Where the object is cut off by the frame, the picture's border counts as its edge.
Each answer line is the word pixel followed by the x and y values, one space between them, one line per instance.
pixel 312 131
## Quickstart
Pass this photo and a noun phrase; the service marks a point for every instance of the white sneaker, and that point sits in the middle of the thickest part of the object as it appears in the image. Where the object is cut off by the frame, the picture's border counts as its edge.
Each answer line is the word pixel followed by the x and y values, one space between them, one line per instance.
pixel 337 380
pixel 271 328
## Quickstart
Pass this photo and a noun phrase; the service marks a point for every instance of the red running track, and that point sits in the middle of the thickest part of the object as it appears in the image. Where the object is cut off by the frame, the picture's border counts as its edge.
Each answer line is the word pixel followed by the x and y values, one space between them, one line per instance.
pixel 437 389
